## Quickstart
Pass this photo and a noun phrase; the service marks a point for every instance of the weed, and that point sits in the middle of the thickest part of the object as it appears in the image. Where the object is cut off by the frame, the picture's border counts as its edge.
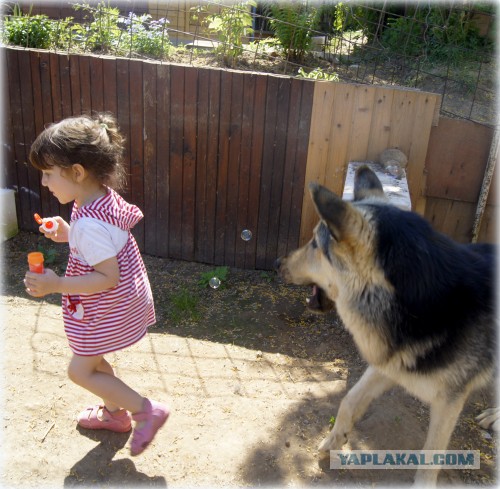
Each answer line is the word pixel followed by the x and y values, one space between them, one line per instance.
pixel 220 272
pixel 318 74
pixel 184 306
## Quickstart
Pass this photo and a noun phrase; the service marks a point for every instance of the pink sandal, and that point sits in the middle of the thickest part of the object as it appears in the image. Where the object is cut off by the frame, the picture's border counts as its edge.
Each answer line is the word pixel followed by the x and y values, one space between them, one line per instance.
pixel 99 418
pixel 151 420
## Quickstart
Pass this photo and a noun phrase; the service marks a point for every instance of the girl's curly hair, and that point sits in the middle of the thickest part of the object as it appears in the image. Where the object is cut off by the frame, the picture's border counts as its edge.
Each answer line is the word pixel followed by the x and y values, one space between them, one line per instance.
pixel 93 141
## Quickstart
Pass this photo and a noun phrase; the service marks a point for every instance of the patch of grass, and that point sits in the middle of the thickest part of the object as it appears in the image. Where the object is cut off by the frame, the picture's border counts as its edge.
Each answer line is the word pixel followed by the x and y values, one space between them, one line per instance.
pixel 184 306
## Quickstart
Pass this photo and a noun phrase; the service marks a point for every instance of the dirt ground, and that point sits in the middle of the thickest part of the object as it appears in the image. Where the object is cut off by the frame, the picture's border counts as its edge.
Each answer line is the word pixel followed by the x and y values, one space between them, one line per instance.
pixel 252 378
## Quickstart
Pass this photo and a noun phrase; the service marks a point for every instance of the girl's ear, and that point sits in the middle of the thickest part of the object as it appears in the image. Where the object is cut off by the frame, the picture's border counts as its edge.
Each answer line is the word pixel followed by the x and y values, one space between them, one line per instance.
pixel 78 172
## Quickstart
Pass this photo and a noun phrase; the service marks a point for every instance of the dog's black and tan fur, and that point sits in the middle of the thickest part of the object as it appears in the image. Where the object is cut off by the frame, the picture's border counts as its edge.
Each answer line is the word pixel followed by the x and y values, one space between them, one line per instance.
pixel 419 306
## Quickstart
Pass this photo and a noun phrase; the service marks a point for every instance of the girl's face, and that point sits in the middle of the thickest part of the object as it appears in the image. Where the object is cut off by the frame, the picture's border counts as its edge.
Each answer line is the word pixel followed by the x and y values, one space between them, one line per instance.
pixel 59 182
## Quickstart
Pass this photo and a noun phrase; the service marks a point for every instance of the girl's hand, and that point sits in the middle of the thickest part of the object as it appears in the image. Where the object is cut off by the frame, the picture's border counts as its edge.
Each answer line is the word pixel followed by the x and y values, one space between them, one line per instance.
pixel 62 233
pixel 41 284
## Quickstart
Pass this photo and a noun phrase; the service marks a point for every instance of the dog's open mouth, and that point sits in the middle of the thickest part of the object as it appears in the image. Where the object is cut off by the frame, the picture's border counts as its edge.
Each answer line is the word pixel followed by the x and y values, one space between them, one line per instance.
pixel 318 301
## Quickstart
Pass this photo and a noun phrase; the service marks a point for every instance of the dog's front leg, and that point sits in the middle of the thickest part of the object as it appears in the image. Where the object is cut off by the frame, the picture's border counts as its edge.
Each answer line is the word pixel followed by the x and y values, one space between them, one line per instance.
pixel 444 415
pixel 370 386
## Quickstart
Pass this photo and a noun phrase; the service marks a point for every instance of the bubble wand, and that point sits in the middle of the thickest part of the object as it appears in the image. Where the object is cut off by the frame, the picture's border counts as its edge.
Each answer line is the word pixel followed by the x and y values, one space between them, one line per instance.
pixel 48 225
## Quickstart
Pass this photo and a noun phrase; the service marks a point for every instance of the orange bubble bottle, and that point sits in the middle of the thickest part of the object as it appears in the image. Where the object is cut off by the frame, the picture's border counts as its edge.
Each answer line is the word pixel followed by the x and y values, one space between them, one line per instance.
pixel 35 261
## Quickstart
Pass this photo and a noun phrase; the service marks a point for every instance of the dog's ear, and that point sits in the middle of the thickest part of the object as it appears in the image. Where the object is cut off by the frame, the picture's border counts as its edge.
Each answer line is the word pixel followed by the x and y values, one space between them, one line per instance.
pixel 331 209
pixel 367 184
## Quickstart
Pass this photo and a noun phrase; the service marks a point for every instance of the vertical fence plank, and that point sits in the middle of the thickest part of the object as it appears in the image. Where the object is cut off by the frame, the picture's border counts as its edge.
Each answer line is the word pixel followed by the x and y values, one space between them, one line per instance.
pixel 64 80
pixel 300 164
pixel 267 170
pixel 340 139
pixel 74 78
pixel 123 114
pixel 290 155
pixel 97 84
pixel 361 122
pixel 37 92
pixel 110 102
pixel 50 205
pixel 9 173
pixel 28 114
pixel 291 158
pixel 233 170
pixel 137 144
pixel 16 109
pixel 85 85
pixel 259 114
pixel 381 123
pixel 176 158
pixel 244 177
pixel 208 128
pixel 55 86
pixel 162 158
pixel 189 163
pixel 42 102
pixel 280 163
pixel 149 158
pixel 222 169
pixel 202 234
pixel 423 113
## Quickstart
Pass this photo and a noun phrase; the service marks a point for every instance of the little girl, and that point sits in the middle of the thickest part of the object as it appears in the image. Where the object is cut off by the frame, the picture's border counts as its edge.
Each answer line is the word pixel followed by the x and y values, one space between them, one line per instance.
pixel 106 297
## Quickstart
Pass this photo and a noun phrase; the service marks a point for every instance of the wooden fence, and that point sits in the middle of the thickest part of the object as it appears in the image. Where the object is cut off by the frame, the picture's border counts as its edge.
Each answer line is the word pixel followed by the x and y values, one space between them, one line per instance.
pixel 211 152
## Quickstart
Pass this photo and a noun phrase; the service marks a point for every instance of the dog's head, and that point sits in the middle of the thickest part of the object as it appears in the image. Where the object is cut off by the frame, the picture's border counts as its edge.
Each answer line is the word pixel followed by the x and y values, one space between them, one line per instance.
pixel 341 256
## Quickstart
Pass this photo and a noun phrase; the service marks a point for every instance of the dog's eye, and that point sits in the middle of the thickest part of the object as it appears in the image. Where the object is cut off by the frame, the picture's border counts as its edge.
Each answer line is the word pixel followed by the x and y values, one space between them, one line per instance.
pixel 314 244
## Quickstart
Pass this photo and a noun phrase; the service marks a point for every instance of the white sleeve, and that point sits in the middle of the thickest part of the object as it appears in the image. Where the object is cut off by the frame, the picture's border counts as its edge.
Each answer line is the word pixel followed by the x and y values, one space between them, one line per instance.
pixel 94 241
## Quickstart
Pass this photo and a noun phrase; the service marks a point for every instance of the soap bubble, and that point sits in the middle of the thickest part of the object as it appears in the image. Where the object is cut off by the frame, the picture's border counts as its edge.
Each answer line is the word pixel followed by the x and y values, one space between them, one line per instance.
pixel 214 282
pixel 246 235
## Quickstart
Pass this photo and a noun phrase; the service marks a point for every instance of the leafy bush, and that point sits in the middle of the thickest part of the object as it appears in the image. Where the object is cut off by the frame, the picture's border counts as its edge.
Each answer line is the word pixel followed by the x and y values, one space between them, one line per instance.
pixel 231 26
pixel 105 31
pixel 28 31
pixel 291 23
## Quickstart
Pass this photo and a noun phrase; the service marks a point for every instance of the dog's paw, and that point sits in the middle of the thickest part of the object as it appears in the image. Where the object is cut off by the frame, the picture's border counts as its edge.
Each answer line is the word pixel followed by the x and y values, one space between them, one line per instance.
pixel 489 419
pixel 333 441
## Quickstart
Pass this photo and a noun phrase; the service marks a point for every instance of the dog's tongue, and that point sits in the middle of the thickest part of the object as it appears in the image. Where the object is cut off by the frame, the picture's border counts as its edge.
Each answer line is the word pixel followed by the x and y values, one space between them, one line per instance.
pixel 313 301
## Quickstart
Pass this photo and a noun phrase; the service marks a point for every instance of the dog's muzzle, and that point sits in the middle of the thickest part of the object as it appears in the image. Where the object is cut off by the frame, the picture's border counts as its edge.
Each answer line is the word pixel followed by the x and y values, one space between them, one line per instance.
pixel 318 301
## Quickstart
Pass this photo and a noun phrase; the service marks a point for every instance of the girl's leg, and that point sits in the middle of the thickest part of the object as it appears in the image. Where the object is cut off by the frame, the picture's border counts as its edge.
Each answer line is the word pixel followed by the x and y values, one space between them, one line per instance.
pixel 97 376
pixel 106 368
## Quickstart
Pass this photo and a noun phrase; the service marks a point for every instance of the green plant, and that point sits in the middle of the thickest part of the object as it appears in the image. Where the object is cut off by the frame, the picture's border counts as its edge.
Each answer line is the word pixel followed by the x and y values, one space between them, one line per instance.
pixel 220 272
pixel 318 74
pixel 291 23
pixel 49 254
pixel 184 306
pixel 231 26
pixel 146 36
pixel 102 33
pixel 332 422
pixel 30 31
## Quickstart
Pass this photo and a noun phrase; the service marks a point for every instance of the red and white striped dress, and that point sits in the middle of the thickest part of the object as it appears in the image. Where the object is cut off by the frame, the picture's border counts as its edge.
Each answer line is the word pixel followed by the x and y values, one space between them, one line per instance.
pixel 113 319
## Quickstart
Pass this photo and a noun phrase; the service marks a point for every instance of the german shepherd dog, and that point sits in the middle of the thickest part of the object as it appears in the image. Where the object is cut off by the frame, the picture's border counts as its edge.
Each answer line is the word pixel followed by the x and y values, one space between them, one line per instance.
pixel 420 307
